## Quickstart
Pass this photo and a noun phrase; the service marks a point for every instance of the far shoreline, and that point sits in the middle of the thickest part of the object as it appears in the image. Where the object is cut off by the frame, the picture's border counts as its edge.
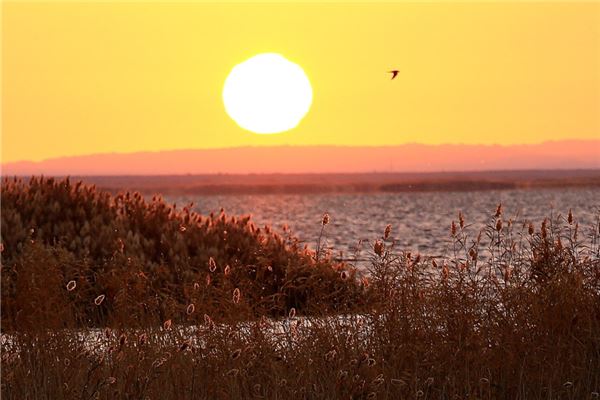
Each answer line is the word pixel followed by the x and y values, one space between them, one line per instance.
pixel 342 183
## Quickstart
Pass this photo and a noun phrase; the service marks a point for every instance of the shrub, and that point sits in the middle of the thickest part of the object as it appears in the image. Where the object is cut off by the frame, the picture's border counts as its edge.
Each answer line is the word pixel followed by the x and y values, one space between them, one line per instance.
pixel 150 260
pixel 513 313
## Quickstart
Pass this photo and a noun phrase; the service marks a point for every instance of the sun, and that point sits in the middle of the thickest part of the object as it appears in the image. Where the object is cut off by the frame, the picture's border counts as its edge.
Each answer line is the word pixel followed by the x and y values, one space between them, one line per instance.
pixel 267 94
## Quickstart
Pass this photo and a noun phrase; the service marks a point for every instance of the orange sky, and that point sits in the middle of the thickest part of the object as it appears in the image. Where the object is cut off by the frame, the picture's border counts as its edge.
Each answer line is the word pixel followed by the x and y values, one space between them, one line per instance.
pixel 82 78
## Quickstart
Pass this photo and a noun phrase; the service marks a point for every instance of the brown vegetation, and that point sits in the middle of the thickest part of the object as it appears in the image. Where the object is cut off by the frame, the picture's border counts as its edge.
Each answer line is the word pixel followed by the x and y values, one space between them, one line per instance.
pixel 151 260
pixel 518 318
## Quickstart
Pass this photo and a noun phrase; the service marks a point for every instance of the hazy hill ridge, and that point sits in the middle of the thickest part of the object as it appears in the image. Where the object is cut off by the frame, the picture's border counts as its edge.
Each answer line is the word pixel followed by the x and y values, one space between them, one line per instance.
pixel 576 154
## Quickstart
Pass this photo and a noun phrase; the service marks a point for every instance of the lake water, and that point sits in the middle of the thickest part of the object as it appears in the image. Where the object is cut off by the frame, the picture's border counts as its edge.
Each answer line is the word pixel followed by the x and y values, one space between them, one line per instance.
pixel 420 221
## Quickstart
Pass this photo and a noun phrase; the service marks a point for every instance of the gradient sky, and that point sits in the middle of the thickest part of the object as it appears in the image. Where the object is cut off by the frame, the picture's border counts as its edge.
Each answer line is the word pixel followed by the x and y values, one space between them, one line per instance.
pixel 82 78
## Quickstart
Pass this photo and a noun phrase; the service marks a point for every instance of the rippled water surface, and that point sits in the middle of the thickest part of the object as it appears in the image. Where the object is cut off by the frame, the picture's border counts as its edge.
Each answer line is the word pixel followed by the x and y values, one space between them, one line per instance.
pixel 421 221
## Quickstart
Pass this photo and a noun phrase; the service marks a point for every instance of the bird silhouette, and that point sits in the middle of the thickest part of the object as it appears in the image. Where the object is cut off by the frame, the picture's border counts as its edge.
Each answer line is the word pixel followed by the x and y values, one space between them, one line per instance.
pixel 394 73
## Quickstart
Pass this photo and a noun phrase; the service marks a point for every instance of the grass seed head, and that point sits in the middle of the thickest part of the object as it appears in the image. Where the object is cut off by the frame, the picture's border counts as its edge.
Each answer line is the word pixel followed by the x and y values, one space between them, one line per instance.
pixel 445 272
pixel 190 309
pixel 365 281
pixel 378 381
pixel 212 265
pixel 236 354
pixel 499 225
pixel 498 210
pixel 473 254
pixel 378 248
pixel 544 231
pixel 158 362
pixel 208 321
pixel 236 295
pixel 388 230
pixel 142 339
pixel 325 220
pixel 570 217
pixel 98 300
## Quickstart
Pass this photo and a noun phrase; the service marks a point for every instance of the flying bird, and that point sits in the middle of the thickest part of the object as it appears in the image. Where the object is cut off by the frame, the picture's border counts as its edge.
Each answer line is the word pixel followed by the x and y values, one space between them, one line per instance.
pixel 394 73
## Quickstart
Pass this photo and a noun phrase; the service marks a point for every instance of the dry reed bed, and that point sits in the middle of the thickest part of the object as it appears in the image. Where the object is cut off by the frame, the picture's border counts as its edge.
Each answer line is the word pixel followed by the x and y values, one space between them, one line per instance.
pixel 128 262
pixel 523 322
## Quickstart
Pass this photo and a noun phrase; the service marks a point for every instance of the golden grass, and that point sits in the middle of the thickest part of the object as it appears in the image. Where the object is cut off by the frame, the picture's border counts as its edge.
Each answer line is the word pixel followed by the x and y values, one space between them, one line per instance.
pixel 516 318
pixel 125 262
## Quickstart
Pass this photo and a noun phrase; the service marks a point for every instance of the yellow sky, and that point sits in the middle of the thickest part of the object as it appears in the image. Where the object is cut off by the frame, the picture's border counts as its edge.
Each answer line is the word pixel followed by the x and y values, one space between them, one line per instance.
pixel 81 78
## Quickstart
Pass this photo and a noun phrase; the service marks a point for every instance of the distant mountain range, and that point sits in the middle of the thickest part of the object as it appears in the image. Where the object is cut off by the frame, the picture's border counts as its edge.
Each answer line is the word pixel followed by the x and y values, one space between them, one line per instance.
pixel 573 154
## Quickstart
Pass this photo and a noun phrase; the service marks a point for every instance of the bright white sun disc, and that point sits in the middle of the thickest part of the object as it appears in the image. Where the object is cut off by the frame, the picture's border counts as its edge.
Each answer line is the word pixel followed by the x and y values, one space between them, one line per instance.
pixel 267 94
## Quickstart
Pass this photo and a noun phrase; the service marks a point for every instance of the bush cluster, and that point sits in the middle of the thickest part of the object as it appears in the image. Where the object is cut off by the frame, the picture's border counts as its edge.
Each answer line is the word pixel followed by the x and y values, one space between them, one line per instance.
pixel 149 260
pixel 511 313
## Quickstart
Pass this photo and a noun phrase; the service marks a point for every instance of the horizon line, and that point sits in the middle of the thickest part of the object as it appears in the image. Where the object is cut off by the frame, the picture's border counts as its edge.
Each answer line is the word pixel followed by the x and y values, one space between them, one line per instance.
pixel 135 152
pixel 374 172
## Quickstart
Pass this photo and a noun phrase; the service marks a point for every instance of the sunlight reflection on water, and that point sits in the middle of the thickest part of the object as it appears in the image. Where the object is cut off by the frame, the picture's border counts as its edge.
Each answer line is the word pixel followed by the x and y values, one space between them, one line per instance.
pixel 421 221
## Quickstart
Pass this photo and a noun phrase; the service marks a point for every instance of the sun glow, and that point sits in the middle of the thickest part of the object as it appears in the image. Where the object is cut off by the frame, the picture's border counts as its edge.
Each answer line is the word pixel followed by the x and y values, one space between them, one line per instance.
pixel 267 94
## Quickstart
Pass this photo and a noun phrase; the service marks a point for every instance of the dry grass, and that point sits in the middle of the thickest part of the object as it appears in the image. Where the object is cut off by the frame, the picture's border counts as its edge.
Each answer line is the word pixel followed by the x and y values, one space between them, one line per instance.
pixel 516 318
pixel 150 260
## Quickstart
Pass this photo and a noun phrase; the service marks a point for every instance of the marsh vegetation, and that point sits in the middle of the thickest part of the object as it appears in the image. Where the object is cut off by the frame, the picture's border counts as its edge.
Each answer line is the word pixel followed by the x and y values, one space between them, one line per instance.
pixel 119 297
